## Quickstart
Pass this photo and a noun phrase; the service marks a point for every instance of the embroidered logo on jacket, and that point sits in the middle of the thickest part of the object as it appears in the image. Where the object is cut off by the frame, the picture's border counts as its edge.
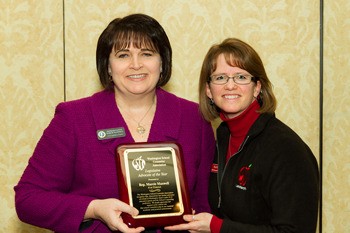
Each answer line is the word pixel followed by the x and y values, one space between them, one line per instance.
pixel 214 168
pixel 243 177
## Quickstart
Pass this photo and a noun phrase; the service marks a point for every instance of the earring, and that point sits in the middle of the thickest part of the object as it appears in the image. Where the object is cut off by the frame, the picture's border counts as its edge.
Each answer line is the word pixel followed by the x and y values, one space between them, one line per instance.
pixel 211 101
pixel 259 98
pixel 110 76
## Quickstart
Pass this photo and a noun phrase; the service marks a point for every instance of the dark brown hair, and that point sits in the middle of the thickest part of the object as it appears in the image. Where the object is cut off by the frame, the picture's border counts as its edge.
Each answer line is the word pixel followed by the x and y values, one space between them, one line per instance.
pixel 140 30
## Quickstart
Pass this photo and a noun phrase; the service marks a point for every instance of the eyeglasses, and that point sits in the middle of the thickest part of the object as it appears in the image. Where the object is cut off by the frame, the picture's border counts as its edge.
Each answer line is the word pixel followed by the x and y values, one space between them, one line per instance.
pixel 238 79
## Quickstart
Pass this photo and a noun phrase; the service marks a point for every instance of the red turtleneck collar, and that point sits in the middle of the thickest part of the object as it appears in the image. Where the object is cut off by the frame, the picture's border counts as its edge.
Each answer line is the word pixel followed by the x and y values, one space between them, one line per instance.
pixel 239 127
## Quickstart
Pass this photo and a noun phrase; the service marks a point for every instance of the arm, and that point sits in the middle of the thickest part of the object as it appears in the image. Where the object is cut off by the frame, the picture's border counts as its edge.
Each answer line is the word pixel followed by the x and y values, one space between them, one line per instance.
pixel 207 152
pixel 194 223
pixel 109 211
pixel 290 188
pixel 44 196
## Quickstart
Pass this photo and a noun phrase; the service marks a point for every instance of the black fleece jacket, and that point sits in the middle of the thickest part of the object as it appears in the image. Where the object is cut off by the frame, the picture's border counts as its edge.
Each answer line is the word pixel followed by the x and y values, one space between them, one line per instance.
pixel 270 185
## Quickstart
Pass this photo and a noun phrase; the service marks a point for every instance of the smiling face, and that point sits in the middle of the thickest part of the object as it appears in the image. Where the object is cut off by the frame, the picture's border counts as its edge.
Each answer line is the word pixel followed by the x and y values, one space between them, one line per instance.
pixel 232 98
pixel 134 70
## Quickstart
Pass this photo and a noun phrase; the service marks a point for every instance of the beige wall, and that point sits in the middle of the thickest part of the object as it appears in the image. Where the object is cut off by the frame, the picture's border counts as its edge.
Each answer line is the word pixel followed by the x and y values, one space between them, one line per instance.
pixel 336 164
pixel 34 50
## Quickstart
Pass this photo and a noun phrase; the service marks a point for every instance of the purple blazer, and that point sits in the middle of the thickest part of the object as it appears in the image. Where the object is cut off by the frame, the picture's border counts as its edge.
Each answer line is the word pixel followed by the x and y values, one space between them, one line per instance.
pixel 70 167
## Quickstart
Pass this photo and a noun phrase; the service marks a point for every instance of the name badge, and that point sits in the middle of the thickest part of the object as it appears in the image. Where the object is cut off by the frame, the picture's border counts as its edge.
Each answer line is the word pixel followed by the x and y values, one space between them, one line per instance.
pixel 103 134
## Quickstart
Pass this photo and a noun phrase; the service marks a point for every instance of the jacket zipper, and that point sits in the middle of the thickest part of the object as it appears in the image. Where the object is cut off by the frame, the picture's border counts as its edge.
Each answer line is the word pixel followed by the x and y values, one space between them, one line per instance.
pixel 220 178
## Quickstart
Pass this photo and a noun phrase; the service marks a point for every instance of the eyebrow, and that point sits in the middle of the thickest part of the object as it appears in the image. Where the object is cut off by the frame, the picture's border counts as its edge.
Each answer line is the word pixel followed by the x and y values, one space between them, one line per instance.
pixel 238 73
pixel 127 50
pixel 121 50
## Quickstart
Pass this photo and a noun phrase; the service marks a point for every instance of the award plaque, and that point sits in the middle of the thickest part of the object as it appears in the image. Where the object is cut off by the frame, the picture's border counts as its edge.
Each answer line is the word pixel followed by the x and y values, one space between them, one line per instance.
pixel 152 179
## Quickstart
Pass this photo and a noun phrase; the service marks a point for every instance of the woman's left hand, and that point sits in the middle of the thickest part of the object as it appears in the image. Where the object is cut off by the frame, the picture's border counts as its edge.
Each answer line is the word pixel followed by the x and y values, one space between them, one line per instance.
pixel 194 223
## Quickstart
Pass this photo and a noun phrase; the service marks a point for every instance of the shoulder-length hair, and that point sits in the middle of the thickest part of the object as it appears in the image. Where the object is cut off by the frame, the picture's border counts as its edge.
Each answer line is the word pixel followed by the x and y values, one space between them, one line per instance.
pixel 240 54
pixel 140 30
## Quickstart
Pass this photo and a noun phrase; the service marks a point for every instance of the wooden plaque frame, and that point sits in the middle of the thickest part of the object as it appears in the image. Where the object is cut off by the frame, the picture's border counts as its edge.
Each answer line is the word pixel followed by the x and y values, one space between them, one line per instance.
pixel 152 178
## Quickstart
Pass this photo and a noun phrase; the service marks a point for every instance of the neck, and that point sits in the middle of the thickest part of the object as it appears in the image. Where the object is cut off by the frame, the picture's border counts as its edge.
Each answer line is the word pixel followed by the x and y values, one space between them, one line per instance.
pixel 240 124
pixel 138 113
pixel 239 127
pixel 134 102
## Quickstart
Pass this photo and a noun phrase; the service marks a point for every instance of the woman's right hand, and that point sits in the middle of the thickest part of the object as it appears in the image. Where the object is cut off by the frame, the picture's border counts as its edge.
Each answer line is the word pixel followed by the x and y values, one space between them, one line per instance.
pixel 109 211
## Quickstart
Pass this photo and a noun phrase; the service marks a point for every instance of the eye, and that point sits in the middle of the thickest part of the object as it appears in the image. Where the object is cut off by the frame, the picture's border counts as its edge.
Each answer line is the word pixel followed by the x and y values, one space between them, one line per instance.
pixel 147 54
pixel 241 77
pixel 220 77
pixel 121 55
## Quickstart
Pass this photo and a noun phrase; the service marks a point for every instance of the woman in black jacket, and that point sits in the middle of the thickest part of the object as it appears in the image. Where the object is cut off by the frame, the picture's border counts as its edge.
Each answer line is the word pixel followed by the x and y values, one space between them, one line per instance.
pixel 264 177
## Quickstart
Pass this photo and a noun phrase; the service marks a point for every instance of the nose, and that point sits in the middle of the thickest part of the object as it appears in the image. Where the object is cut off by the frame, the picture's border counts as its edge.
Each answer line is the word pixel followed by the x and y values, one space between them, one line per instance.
pixel 136 63
pixel 230 84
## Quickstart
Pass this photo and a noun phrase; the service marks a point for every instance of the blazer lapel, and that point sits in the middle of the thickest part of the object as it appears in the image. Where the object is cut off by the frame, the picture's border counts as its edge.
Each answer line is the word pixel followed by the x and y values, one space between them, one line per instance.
pixel 166 122
pixel 108 118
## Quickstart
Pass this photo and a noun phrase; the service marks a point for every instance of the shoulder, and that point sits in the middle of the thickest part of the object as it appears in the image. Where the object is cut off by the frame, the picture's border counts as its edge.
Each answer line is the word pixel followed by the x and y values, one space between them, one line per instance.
pixel 279 139
pixel 174 98
pixel 171 99
pixel 279 131
pixel 272 128
pixel 176 109
pixel 85 110
pixel 84 103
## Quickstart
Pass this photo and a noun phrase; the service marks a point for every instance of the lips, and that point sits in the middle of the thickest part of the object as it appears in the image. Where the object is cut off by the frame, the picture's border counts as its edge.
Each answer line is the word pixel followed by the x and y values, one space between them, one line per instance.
pixel 231 97
pixel 137 76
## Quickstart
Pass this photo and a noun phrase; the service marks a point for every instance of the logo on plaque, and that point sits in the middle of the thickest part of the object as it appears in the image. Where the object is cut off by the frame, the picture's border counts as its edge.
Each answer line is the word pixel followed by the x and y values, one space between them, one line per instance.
pixel 138 164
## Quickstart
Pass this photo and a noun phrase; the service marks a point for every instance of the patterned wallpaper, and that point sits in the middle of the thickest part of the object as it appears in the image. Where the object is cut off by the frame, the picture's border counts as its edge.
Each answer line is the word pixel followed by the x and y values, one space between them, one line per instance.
pixel 336 164
pixel 45 58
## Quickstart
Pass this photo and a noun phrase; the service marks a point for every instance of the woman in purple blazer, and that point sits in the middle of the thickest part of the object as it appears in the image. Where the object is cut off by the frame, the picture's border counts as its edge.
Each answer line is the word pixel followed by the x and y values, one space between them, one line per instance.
pixel 70 183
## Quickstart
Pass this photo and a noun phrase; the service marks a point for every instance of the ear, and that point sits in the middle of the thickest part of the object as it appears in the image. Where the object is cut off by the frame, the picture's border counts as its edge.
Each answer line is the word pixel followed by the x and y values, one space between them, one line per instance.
pixel 208 91
pixel 257 89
